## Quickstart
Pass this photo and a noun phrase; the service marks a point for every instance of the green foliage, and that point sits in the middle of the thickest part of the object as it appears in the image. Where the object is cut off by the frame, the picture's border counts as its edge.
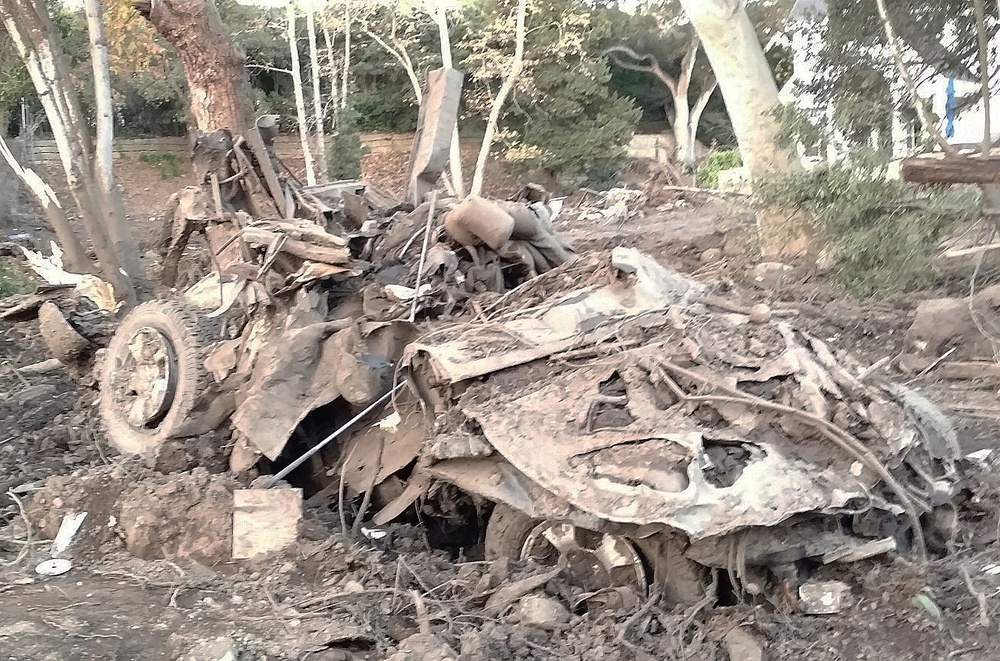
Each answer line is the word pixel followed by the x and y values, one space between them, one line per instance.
pixel 343 156
pixel 880 234
pixel 14 279
pixel 707 174
pixel 563 117
pixel 169 165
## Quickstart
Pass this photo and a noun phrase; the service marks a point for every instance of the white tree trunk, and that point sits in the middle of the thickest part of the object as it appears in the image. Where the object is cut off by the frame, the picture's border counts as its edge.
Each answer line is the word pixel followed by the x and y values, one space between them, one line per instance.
pixel 455 155
pixel 121 238
pixel 300 102
pixel 347 54
pixel 508 84
pixel 318 115
pixel 683 134
pixel 31 31
pixel 332 73
pixel 747 83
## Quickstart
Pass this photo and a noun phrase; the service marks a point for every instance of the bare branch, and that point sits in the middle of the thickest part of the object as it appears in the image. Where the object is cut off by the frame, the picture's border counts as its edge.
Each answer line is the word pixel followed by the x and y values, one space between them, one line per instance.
pixel 404 60
pixel 904 73
pixel 653 67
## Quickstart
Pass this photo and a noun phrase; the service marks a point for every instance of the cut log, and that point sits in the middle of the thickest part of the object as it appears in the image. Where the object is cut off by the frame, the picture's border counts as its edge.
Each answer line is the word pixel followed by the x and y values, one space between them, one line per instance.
pixel 941 170
pixel 304 231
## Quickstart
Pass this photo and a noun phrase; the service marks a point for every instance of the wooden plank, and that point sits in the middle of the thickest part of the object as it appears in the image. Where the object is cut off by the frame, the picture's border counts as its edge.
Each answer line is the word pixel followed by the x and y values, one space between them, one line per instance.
pixel 310 251
pixel 256 144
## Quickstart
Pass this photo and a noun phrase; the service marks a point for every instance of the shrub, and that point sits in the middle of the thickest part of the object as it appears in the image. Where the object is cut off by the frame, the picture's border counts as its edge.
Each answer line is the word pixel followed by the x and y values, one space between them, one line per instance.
pixel 880 234
pixel 14 279
pixel 169 165
pixel 708 172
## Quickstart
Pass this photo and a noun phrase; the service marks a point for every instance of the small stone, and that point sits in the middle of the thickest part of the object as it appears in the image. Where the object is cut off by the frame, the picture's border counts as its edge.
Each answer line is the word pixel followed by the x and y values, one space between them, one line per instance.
pixel 220 649
pixel 741 646
pixel 354 587
pixel 711 256
pixel 760 314
pixel 543 612
pixel 771 274
pixel 824 598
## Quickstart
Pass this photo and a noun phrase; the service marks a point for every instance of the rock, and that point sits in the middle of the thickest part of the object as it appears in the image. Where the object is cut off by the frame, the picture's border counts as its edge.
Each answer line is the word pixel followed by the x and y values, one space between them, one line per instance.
pixel 771 274
pixel 424 647
pixel 60 337
pixel 542 612
pixel 824 598
pixel 220 649
pixel 741 646
pixel 42 367
pixel 711 256
pixel 265 520
pixel 942 323
pixel 760 314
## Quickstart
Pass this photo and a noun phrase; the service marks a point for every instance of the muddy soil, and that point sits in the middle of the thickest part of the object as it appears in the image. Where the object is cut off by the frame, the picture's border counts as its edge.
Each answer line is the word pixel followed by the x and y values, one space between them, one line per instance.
pixel 335 598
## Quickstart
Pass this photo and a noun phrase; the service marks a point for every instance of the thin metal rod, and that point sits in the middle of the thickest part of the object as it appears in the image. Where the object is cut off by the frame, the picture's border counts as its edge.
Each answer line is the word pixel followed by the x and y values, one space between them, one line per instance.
pixel 319 446
pixel 423 255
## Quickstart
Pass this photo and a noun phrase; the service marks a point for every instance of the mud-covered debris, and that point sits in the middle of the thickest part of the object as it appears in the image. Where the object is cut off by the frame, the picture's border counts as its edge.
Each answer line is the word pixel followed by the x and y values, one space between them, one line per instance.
pixel 741 646
pixel 824 598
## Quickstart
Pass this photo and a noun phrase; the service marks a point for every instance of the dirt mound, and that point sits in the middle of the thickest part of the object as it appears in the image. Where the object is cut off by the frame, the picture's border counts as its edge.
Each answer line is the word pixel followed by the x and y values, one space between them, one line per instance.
pixel 180 516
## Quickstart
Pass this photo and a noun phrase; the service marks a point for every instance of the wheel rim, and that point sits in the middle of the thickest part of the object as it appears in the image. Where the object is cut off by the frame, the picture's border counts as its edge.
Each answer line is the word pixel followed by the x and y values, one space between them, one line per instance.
pixel 594 561
pixel 145 379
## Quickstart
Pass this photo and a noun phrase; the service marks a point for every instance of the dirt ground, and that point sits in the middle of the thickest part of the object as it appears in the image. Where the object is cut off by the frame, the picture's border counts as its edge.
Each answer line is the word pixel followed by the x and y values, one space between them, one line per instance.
pixel 133 593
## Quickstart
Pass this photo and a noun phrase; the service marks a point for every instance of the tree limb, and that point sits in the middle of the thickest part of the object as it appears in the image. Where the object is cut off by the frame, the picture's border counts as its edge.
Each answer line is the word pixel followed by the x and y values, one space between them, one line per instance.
pixel 403 59
pixel 653 67
pixel 904 73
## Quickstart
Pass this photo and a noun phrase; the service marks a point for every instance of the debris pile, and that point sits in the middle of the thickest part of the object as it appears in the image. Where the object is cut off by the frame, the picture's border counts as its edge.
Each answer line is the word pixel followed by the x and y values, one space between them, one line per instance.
pixel 683 435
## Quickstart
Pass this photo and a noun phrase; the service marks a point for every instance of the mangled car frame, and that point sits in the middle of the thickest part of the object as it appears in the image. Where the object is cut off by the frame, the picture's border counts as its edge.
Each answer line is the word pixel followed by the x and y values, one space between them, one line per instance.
pixel 455 358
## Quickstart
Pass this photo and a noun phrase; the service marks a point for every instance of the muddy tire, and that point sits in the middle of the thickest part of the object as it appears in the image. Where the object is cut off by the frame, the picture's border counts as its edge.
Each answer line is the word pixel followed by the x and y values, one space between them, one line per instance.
pixel 506 532
pixel 153 375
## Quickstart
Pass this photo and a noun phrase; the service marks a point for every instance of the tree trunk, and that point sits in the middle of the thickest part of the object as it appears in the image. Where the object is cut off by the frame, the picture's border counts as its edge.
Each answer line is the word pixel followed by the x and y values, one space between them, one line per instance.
pixel 331 72
pixel 347 54
pixel 744 75
pixel 300 102
pixel 318 114
pixel 121 238
pixel 508 84
pixel 218 85
pixel 36 40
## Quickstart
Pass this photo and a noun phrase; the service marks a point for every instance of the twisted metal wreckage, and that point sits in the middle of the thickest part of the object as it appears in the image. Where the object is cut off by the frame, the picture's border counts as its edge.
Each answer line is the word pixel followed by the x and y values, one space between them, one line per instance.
pixel 606 411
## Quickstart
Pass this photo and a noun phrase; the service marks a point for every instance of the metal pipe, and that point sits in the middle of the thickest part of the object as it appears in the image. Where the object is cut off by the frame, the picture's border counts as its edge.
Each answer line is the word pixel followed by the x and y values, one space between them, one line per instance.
pixel 319 446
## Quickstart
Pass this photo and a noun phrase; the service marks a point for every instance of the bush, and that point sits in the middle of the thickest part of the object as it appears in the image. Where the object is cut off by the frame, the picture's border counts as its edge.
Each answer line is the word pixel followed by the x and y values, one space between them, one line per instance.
pixel 343 155
pixel 707 174
pixel 14 279
pixel 169 165
pixel 880 234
